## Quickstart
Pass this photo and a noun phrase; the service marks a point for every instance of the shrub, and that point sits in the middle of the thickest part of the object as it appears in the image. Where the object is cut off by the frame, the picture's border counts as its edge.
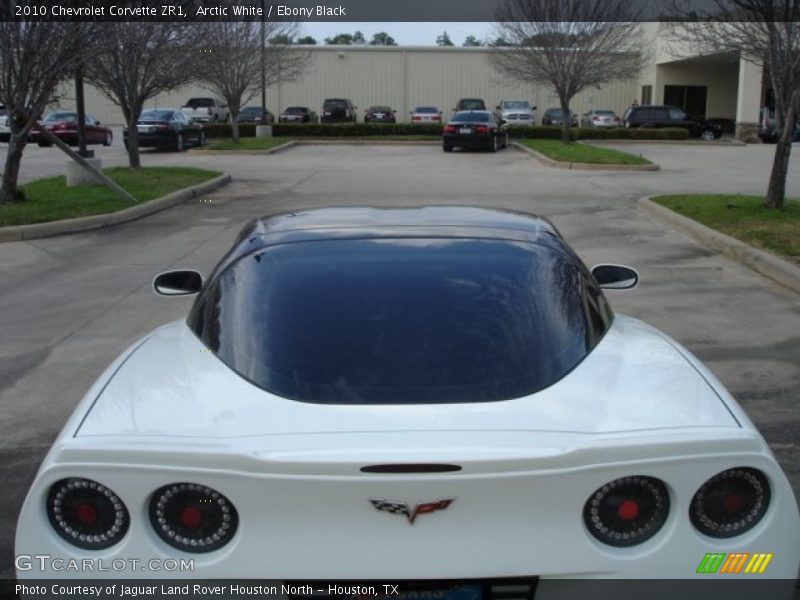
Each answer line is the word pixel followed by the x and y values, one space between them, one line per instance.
pixel 637 133
pixel 326 130
pixel 545 132
pixel 353 129
pixel 224 130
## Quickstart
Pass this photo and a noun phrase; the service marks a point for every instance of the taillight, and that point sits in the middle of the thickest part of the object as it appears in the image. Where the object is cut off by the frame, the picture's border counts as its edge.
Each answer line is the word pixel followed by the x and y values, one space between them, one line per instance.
pixel 595 118
pixel 87 514
pixel 416 118
pixel 730 503
pixel 627 511
pixel 192 517
pixel 449 129
pixel 481 129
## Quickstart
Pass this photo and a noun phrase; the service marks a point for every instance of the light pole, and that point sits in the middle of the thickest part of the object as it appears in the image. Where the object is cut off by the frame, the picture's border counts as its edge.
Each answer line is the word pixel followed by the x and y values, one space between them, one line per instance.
pixel 263 63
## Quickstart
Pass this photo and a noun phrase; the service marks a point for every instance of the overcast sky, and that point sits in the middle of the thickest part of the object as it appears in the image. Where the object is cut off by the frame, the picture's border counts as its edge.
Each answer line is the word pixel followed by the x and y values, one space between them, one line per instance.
pixel 405 34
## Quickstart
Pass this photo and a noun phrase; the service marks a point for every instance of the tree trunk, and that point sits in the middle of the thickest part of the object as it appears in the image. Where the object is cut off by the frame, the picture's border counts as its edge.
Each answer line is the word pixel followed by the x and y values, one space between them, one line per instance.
pixel 235 127
pixel 9 191
pixel 566 121
pixel 133 142
pixel 776 191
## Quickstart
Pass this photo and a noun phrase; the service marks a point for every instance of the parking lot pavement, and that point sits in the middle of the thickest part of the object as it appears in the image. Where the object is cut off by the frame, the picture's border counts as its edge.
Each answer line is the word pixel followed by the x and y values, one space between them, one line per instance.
pixel 69 304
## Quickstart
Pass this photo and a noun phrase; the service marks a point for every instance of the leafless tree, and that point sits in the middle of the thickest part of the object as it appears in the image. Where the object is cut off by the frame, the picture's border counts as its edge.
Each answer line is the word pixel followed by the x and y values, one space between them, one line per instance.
pixel 570 45
pixel 765 32
pixel 232 68
pixel 139 60
pixel 35 57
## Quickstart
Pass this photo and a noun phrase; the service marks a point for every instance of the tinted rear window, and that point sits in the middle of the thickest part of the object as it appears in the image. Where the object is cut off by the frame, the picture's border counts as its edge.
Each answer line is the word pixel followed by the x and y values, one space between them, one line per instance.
pixel 156 115
pixel 471 104
pixel 200 102
pixel 62 116
pixel 426 110
pixel 472 117
pixel 295 110
pixel 402 321
pixel 335 105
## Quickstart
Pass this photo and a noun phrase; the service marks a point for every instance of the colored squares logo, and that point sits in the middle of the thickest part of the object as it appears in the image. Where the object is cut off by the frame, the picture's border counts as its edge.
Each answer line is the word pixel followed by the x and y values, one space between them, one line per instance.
pixel 734 563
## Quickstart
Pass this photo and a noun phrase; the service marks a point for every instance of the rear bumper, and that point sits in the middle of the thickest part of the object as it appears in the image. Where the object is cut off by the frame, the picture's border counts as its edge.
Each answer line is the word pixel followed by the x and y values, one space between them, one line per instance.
pixel 512 519
pixel 150 140
pixel 475 140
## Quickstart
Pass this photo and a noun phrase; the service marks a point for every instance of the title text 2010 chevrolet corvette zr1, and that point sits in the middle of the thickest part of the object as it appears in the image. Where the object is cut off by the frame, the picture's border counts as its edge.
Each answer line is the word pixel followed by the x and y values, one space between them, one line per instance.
pixel 445 385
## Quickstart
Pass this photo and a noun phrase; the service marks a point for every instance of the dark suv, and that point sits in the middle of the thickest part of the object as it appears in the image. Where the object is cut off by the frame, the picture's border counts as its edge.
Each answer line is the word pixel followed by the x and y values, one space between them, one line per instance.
pixel 470 104
pixel 338 110
pixel 670 116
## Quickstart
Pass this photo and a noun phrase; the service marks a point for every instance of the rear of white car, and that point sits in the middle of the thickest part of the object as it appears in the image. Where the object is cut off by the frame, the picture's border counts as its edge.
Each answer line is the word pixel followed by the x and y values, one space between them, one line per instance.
pixel 436 394
pixel 458 495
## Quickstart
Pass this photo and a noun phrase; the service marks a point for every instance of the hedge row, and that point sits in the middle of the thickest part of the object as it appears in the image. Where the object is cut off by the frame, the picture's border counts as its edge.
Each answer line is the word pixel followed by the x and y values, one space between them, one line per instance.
pixel 316 130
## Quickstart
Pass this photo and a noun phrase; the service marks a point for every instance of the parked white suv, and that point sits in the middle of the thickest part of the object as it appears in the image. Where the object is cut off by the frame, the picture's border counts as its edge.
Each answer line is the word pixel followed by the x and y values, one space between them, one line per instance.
pixel 5 129
pixel 206 110
pixel 516 112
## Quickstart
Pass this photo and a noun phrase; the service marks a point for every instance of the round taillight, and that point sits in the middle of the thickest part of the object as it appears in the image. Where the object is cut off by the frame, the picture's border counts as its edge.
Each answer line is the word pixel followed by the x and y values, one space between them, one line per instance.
pixel 87 514
pixel 627 511
pixel 192 517
pixel 730 503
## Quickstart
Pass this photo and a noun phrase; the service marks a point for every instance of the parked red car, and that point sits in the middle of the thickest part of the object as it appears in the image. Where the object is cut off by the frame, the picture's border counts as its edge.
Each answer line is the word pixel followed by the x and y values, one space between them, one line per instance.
pixel 64 125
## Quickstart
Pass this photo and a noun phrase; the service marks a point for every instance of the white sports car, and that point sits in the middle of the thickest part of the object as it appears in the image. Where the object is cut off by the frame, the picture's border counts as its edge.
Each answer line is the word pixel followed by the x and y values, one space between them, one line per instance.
pixel 409 394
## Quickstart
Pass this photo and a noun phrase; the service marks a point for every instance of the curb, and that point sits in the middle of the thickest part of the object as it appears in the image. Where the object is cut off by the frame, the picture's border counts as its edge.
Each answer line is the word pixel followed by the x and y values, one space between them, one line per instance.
pixel 557 164
pixel 362 142
pixel 777 269
pixel 703 143
pixel 16 233
pixel 317 142
pixel 281 148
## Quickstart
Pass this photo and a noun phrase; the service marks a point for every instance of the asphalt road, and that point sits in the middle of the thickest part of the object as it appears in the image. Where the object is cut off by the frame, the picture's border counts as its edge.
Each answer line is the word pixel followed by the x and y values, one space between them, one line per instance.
pixel 69 304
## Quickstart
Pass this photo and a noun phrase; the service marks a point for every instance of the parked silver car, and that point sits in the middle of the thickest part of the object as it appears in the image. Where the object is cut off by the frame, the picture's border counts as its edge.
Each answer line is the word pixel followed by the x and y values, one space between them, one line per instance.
pixel 600 118
pixel 516 112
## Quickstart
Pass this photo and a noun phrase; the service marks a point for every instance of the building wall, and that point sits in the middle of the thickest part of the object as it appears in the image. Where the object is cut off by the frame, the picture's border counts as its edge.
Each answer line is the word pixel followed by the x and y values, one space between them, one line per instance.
pixel 721 78
pixel 402 77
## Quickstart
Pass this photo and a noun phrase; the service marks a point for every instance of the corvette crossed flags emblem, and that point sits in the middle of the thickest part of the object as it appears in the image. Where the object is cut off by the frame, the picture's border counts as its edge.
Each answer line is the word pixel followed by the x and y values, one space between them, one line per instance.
pixel 402 508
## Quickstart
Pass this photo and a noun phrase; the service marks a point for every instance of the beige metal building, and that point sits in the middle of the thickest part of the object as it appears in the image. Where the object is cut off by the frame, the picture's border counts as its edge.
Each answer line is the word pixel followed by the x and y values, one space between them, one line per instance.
pixel 716 86
pixel 402 77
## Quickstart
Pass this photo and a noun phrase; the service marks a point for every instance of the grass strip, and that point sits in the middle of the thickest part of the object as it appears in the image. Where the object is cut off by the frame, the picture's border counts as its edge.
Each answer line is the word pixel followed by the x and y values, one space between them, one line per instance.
pixel 582 153
pixel 51 200
pixel 744 218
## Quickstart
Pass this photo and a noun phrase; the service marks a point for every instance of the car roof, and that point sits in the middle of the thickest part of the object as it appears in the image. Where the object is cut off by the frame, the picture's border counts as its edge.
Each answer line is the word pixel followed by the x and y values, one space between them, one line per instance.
pixel 369 222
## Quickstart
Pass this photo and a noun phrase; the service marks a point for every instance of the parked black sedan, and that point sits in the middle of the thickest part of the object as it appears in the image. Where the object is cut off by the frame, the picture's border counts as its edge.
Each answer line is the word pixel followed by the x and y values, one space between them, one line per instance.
pixel 255 114
pixel 298 114
pixel 167 128
pixel 379 114
pixel 474 129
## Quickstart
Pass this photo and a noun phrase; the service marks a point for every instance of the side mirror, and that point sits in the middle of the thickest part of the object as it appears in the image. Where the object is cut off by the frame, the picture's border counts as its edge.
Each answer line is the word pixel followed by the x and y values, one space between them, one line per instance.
pixel 97 122
pixel 186 282
pixel 497 107
pixel 534 108
pixel 502 121
pixel 615 277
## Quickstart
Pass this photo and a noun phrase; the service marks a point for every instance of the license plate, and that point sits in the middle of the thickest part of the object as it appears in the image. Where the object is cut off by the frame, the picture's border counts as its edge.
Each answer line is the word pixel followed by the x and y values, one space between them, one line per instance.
pixel 144 129
pixel 465 130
